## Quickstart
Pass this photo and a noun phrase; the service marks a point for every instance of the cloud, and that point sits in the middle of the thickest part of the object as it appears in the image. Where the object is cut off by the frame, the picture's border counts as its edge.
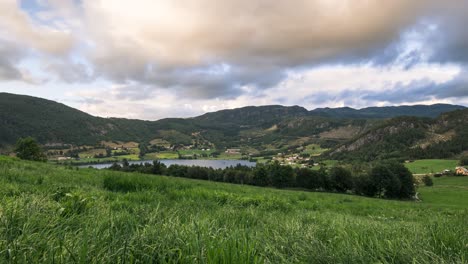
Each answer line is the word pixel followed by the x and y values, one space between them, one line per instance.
pixel 211 54
pixel 68 71
pixel 422 90
pixel 8 58
pixel 22 38
pixel 16 26
pixel 259 40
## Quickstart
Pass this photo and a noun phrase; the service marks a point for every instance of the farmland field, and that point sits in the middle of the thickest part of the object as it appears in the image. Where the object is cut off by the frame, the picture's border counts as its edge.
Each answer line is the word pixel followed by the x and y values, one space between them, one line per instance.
pixel 60 214
pixel 314 150
pixel 431 165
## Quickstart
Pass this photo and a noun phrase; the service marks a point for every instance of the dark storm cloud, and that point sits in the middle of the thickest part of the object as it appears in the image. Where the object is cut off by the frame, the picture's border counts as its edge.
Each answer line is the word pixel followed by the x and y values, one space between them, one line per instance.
pixel 450 41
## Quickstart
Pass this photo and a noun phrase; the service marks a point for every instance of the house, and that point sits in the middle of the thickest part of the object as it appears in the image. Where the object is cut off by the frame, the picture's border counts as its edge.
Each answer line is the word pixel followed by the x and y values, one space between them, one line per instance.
pixel 233 151
pixel 461 171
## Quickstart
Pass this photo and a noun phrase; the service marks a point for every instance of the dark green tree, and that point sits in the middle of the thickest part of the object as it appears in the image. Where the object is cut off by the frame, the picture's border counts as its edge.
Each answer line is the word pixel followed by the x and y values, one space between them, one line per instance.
pixel 260 176
pixel 463 161
pixel 341 179
pixel 392 180
pixel 281 176
pixel 311 179
pixel 428 180
pixel 28 149
pixel 108 152
pixel 364 185
pixel 407 189
pixel 143 149
pixel 382 178
pixel 158 168
pixel 303 178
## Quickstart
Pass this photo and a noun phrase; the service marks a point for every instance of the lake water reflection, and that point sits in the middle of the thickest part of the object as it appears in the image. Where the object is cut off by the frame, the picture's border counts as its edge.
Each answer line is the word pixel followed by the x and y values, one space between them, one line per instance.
pixel 215 164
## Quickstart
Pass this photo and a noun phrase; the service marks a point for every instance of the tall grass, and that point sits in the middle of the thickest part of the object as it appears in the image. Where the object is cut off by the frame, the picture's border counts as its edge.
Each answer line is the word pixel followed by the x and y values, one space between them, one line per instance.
pixel 91 216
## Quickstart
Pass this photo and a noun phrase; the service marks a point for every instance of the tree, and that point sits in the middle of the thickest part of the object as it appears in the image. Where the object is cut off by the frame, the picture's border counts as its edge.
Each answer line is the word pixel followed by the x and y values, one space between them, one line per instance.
pixel 303 178
pixel 392 180
pixel 405 176
pixel 341 179
pixel 364 185
pixel 158 167
pixel 28 149
pixel 311 179
pixel 281 176
pixel 260 176
pixel 463 161
pixel 382 179
pixel 427 180
pixel 143 150
pixel 108 152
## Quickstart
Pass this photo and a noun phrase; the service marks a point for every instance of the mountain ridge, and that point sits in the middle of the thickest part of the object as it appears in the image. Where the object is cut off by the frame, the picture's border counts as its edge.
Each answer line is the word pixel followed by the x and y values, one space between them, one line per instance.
pixel 256 128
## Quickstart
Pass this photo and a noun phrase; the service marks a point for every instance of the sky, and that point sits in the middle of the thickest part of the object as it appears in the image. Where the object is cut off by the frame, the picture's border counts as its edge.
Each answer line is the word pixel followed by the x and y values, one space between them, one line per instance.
pixel 151 59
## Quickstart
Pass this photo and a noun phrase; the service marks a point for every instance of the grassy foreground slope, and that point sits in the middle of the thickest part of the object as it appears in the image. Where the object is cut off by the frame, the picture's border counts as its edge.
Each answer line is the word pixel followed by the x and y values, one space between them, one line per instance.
pixel 54 214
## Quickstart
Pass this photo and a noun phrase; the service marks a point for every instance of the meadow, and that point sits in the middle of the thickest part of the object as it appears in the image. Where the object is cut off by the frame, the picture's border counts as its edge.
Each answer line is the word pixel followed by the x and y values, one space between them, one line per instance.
pixel 58 214
pixel 314 150
pixel 426 166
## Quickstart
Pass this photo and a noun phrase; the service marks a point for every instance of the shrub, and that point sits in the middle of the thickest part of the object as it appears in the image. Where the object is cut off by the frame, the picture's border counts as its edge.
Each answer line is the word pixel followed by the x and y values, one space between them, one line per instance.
pixel 392 180
pixel 28 149
pixel 341 179
pixel 463 161
pixel 427 180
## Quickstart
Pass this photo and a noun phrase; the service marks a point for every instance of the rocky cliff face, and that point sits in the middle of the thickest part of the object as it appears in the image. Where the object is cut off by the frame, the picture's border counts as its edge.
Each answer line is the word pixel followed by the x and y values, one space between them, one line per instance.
pixel 400 135
pixel 377 135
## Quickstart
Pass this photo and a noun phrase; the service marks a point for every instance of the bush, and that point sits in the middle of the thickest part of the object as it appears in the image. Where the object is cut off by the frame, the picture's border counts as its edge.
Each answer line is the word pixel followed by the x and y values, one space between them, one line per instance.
pixel 363 185
pixel 392 180
pixel 427 180
pixel 463 161
pixel 28 149
pixel 341 179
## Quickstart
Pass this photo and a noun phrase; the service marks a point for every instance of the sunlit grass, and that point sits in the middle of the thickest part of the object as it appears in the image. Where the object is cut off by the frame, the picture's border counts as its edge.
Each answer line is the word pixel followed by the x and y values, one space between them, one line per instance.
pixel 57 214
pixel 431 165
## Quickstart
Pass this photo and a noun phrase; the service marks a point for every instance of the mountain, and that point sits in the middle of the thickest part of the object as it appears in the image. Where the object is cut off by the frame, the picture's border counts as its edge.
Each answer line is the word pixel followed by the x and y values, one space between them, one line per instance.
pixel 254 128
pixel 432 111
pixel 52 122
pixel 409 137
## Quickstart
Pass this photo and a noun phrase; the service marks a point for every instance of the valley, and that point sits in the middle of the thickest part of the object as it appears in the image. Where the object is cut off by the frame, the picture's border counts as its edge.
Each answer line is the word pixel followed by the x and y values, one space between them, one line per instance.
pixel 291 135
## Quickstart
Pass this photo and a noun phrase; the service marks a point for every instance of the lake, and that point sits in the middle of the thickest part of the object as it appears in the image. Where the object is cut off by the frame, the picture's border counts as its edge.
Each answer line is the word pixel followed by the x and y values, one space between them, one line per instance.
pixel 215 164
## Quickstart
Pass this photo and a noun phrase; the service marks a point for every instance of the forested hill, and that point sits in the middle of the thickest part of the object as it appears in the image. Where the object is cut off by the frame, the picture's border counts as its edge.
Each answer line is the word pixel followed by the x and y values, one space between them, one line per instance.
pixel 257 128
pixel 432 111
pixel 410 137
pixel 50 122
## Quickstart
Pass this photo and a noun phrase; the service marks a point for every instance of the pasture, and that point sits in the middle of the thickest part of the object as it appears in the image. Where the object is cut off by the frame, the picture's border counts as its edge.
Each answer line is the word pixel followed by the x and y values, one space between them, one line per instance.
pixel 431 166
pixel 57 214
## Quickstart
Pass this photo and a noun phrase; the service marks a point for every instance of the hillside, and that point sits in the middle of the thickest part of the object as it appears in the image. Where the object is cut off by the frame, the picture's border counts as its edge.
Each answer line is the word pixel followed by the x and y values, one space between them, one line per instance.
pixel 55 214
pixel 254 129
pixel 410 137
pixel 432 111
pixel 51 122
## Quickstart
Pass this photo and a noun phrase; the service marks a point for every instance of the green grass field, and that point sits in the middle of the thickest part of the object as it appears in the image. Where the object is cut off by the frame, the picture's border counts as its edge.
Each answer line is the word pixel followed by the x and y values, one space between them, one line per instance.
pixel 53 214
pixel 162 155
pixel 314 150
pixel 431 165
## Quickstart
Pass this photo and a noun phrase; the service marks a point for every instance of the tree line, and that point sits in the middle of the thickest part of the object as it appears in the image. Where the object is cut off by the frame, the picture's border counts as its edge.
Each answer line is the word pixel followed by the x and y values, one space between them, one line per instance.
pixel 388 179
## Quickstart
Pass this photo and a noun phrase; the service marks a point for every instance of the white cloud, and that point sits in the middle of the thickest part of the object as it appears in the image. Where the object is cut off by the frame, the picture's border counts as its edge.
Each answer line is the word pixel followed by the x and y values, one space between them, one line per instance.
pixel 156 58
